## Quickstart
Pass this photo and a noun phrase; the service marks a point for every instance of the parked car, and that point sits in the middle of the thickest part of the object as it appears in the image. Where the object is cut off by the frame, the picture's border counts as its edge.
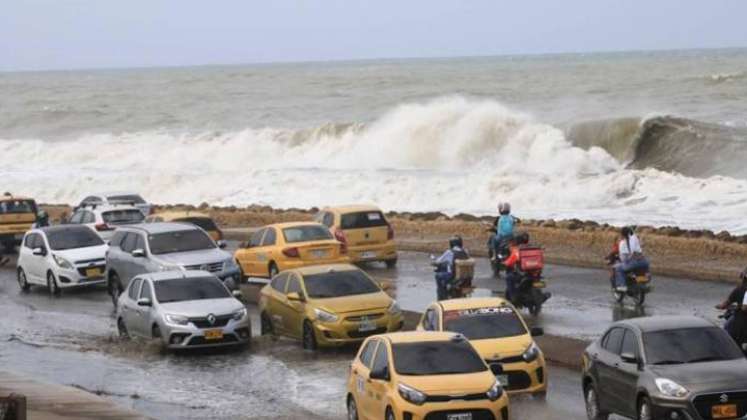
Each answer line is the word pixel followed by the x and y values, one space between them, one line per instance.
pixel 669 367
pixel 499 334
pixel 364 230
pixel 17 215
pixel 196 218
pixel 327 305
pixel 284 246
pixel 423 375
pixel 184 309
pixel 153 247
pixel 106 218
pixel 60 257
pixel 117 197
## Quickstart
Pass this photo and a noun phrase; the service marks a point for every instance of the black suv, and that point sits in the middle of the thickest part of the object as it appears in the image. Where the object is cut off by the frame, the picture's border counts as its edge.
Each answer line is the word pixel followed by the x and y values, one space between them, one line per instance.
pixel 665 368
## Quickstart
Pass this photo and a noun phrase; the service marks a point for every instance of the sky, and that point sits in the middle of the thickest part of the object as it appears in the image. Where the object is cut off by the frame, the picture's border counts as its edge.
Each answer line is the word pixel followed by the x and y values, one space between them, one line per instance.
pixel 72 34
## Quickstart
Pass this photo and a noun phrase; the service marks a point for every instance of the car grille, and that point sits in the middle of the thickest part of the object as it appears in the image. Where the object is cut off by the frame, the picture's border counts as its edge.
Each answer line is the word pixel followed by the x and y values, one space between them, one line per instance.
pixel 359 318
pixel 364 334
pixel 212 267
pixel 200 341
pixel 518 380
pixel 96 261
pixel 476 414
pixel 704 402
pixel 447 398
pixel 220 321
pixel 510 359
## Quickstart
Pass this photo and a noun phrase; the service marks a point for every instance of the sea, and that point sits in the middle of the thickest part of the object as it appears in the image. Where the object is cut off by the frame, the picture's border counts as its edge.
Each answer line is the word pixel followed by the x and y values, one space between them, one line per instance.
pixel 643 138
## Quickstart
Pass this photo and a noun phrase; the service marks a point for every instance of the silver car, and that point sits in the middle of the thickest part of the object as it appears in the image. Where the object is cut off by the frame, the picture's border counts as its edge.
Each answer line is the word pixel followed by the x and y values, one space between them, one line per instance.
pixel 184 309
pixel 154 247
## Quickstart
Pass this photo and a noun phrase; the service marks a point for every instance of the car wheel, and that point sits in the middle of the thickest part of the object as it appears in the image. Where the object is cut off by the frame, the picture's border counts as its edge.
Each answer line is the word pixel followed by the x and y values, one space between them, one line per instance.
pixel 155 332
pixel 272 270
pixel 391 263
pixel 593 412
pixel 265 324
pixel 52 286
pixel 23 282
pixel 389 414
pixel 352 409
pixel 309 338
pixel 644 409
pixel 115 288
pixel 122 329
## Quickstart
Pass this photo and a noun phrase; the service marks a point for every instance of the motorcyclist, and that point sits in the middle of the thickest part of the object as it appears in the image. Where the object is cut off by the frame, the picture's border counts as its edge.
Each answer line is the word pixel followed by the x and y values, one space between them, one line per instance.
pixel 445 264
pixel 736 325
pixel 631 258
pixel 504 226
pixel 513 276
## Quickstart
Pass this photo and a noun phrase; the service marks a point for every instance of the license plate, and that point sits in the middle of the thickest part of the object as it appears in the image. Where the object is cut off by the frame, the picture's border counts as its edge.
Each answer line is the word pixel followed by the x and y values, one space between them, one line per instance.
pixel 366 326
pixel 319 253
pixel 502 379
pixel 459 416
pixel 724 411
pixel 368 254
pixel 93 272
pixel 539 284
pixel 213 334
pixel 641 279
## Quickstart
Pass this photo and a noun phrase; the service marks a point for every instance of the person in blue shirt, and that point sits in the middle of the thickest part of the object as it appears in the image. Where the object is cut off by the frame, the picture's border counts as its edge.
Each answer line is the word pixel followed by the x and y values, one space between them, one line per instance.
pixel 504 226
pixel 446 267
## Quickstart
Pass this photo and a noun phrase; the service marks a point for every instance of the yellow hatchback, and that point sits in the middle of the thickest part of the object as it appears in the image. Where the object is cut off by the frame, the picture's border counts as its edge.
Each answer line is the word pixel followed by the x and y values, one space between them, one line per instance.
pixel 327 305
pixel 499 334
pixel 284 246
pixel 423 375
pixel 364 230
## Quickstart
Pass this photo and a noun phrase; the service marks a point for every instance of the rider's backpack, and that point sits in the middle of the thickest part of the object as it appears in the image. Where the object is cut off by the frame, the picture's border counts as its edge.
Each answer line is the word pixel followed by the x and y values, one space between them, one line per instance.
pixel 532 259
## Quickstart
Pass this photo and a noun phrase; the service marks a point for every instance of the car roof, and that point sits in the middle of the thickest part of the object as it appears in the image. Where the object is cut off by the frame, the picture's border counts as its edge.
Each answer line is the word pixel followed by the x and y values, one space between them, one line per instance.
pixel 108 193
pixel 662 323
pixel 472 303
pixel 418 336
pixel 176 214
pixel 352 208
pixel 324 268
pixel 176 274
pixel 293 224
pixel 110 207
pixel 160 227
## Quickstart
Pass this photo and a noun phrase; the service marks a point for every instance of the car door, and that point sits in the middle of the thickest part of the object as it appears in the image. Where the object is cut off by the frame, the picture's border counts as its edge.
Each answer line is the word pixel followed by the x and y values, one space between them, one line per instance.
pixel 125 271
pixel 273 308
pixel 267 252
pixel 624 378
pixel 129 307
pixel 114 254
pixel 605 360
pixel 247 257
pixel 32 263
pixel 361 369
pixel 143 313
pixel 140 265
pixel 293 311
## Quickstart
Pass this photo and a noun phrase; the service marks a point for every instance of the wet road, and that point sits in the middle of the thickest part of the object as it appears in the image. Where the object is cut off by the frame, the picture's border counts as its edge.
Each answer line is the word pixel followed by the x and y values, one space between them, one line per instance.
pixel 71 340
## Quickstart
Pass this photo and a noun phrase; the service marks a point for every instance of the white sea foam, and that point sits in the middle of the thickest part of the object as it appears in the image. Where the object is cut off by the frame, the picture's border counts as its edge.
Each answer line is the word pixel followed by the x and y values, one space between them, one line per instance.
pixel 451 154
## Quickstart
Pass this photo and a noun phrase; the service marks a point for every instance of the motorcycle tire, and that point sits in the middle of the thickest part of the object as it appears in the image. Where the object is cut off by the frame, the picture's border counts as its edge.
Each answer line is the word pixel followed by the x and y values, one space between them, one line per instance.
pixel 618 296
pixel 640 297
pixel 535 307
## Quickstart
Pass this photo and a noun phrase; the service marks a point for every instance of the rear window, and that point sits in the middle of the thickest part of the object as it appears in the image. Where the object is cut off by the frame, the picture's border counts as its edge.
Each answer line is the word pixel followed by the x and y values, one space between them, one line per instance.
pixel 123 217
pixel 436 358
pixel 205 223
pixel 482 323
pixel 126 198
pixel 339 283
pixel 17 206
pixel 306 233
pixel 179 290
pixel 363 219
pixel 73 237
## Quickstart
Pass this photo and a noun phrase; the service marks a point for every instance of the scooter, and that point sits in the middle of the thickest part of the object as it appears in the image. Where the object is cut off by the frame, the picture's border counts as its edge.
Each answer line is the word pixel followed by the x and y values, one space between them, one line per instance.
pixel 530 292
pixel 461 285
pixel 638 283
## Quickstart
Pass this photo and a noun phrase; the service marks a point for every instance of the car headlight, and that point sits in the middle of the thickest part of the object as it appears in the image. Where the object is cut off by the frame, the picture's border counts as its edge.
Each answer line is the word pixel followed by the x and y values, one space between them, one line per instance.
pixel 240 314
pixel 495 391
pixel 325 316
pixel 176 319
pixel 671 388
pixel 229 265
pixel 531 353
pixel 394 308
pixel 411 394
pixel 63 263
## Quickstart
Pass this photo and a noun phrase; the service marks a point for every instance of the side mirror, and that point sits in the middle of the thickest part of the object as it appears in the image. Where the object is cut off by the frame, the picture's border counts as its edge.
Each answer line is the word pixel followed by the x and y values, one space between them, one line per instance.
pixel 628 358
pixel 222 244
pixel 138 253
pixel 380 374
pixel 144 302
pixel 41 251
pixel 294 297
pixel 496 368
pixel 537 331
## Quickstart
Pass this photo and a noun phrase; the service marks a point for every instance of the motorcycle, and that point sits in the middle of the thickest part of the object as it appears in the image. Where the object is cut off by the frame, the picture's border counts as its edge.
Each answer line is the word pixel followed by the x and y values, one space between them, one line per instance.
pixel 464 273
pixel 639 285
pixel 727 316
pixel 497 254
pixel 530 292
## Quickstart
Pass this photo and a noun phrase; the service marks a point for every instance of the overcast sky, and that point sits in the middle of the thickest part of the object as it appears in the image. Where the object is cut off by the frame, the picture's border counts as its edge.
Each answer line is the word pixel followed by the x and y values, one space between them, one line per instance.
pixel 65 34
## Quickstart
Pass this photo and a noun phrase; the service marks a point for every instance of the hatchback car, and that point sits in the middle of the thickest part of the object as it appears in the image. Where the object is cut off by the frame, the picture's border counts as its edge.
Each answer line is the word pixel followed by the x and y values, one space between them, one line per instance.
pixel 117 197
pixel 106 218
pixel 499 334
pixel 423 375
pixel 327 305
pixel 153 247
pixel 59 257
pixel 674 367
pixel 284 246
pixel 196 218
pixel 184 309
pixel 364 230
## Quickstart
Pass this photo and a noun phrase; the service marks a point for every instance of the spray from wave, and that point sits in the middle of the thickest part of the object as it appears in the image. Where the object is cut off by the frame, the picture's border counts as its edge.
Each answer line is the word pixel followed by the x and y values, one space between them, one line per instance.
pixel 450 154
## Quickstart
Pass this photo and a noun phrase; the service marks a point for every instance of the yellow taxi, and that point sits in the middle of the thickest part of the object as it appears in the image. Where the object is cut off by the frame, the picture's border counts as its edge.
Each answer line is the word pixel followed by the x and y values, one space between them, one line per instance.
pixel 198 219
pixel 499 334
pixel 327 305
pixel 364 230
pixel 423 375
pixel 17 215
pixel 283 246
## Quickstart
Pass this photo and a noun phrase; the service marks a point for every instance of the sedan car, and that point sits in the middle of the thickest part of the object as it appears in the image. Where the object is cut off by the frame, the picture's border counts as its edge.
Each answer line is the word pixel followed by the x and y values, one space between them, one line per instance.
pixel 59 257
pixel 499 334
pixel 184 309
pixel 674 367
pixel 283 246
pixel 327 305
pixel 423 375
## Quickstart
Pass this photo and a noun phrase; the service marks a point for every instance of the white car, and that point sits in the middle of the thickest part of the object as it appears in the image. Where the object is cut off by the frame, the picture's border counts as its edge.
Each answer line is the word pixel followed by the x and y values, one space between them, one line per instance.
pixel 117 197
pixel 61 256
pixel 105 218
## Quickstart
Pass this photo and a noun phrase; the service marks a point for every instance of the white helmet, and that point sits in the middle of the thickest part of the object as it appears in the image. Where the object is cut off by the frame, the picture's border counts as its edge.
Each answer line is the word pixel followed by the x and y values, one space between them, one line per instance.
pixel 504 208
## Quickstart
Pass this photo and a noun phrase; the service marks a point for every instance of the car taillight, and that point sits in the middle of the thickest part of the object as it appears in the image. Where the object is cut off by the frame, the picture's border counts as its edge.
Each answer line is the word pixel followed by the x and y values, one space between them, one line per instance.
pixel 389 232
pixel 102 227
pixel 291 252
pixel 340 236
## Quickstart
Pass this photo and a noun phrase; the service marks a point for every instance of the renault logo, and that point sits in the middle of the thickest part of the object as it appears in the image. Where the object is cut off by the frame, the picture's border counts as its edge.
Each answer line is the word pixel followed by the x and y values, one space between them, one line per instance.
pixel 723 398
pixel 211 319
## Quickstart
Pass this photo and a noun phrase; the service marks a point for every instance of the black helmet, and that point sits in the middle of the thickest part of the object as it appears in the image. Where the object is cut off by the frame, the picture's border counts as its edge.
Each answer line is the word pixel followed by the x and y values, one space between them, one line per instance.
pixel 626 231
pixel 504 208
pixel 521 238
pixel 455 241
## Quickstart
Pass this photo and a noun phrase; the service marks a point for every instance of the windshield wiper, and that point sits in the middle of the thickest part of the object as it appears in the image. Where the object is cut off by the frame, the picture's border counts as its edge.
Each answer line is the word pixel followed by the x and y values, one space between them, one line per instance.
pixel 705 359
pixel 670 362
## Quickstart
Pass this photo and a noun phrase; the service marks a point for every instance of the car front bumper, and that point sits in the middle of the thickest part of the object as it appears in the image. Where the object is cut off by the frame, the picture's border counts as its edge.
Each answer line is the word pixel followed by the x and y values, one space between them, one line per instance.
pixel 526 377
pixel 190 336
pixel 498 409
pixel 673 409
pixel 329 334
pixel 67 278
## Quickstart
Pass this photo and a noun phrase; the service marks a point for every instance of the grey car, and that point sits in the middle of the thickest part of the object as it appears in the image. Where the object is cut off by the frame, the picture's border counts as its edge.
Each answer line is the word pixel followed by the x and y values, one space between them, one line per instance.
pixel 154 247
pixel 184 309
pixel 674 367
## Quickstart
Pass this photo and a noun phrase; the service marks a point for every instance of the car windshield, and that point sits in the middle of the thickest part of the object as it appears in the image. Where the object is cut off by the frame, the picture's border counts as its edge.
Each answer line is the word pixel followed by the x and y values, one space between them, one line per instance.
pixel 339 283
pixel 180 290
pixel 363 219
pixel 306 233
pixel 123 217
pixel 436 358
pixel 17 206
pixel 179 241
pixel 73 237
pixel 481 323
pixel 126 198
pixel 689 345
pixel 203 222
